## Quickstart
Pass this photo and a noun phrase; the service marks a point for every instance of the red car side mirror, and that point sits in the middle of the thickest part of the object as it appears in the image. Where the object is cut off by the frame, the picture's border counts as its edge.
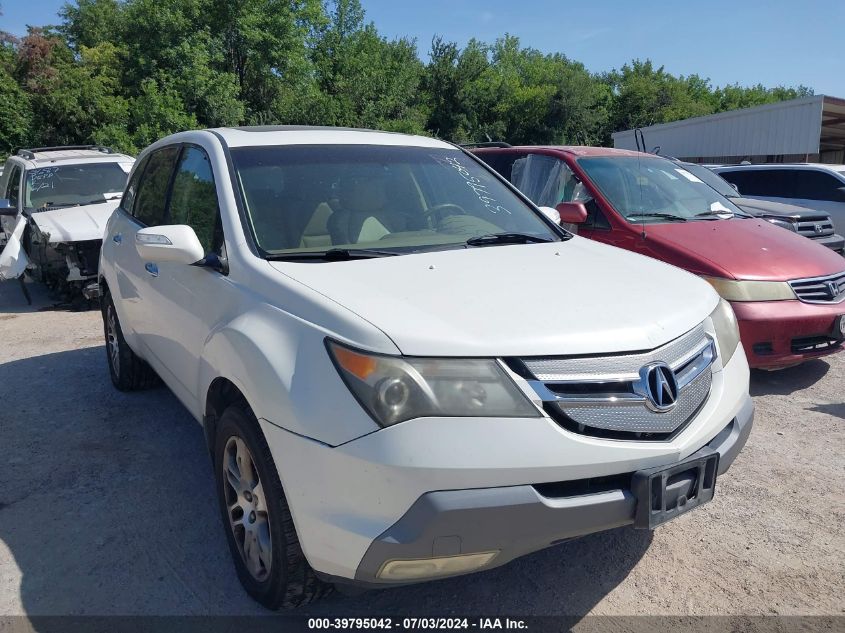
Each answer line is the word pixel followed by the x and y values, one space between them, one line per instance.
pixel 572 212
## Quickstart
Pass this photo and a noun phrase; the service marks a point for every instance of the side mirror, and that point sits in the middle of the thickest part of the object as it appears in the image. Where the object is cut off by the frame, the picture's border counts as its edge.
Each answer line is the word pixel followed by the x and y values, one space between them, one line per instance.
pixel 550 213
pixel 175 243
pixel 6 208
pixel 572 212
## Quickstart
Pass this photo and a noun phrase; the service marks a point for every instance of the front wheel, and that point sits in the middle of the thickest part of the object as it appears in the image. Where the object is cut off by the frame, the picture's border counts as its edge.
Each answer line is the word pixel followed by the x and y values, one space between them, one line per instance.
pixel 258 523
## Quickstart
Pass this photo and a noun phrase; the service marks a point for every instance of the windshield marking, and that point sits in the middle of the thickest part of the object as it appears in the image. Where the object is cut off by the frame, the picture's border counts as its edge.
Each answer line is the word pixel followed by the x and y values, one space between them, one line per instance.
pixel 479 188
pixel 41 178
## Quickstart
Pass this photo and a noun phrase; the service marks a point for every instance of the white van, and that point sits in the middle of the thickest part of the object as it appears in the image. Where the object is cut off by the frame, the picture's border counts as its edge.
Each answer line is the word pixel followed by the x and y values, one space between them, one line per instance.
pixel 404 369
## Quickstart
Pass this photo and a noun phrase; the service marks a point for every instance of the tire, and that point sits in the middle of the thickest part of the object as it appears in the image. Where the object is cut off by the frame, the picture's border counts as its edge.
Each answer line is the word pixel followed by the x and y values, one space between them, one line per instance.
pixel 280 577
pixel 127 371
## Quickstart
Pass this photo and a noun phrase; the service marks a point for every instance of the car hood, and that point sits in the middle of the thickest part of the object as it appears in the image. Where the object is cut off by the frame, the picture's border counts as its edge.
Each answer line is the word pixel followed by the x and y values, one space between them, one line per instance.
pixel 751 249
pixel 766 207
pixel 574 297
pixel 75 224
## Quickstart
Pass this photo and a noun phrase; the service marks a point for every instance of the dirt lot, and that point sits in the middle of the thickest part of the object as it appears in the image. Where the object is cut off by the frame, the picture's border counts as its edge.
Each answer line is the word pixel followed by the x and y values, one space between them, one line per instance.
pixel 107 507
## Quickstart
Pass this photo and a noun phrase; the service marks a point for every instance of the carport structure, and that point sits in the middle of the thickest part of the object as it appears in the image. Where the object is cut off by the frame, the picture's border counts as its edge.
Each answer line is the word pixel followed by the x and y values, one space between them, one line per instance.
pixel 810 129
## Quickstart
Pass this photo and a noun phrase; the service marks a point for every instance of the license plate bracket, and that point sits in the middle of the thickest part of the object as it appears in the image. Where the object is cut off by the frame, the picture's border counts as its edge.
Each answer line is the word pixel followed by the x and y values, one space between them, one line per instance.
pixel 665 492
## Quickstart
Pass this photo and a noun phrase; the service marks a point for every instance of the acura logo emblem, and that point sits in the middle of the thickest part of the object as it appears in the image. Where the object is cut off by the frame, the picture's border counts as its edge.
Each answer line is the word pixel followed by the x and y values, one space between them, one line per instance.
pixel 661 387
pixel 832 289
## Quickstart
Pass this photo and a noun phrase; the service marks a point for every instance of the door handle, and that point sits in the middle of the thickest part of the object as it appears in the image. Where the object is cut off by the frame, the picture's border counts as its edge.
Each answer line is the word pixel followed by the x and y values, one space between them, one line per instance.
pixel 151 268
pixel 117 238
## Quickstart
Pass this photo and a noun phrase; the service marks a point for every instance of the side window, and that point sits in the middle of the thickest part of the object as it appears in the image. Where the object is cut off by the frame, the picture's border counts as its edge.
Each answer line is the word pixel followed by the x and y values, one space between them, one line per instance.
pixel 193 200
pixel 13 187
pixel 546 180
pixel 128 201
pixel 151 200
pixel 775 183
pixel 817 185
pixel 595 218
pixel 502 162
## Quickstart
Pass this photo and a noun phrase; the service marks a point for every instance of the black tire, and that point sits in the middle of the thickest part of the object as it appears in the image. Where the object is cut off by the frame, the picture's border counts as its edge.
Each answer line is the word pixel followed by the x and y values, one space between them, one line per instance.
pixel 290 581
pixel 127 371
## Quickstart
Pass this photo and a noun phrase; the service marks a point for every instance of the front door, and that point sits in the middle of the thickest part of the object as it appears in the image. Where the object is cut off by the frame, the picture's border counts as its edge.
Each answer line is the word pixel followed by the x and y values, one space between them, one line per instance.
pixel 186 302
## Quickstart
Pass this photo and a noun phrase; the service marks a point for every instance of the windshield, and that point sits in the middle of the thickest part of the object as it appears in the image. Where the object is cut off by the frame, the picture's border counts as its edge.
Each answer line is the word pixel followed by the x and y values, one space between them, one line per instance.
pixel 71 185
pixel 711 178
pixel 652 189
pixel 302 199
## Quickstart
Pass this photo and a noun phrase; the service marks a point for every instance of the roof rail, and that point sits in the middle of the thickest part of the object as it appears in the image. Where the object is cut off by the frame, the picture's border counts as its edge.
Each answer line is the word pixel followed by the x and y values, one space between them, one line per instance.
pixel 29 153
pixel 487 144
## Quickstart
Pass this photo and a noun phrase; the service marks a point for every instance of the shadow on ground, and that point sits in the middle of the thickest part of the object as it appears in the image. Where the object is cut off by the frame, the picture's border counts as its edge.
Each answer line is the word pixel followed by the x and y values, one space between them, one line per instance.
pixel 786 381
pixel 107 507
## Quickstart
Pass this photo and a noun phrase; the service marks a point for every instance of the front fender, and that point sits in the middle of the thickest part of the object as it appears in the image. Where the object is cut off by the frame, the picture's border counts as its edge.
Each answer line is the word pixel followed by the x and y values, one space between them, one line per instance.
pixel 13 259
pixel 281 366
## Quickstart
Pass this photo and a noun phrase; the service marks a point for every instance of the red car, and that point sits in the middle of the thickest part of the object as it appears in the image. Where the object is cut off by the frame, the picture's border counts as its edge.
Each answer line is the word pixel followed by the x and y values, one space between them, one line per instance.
pixel 787 291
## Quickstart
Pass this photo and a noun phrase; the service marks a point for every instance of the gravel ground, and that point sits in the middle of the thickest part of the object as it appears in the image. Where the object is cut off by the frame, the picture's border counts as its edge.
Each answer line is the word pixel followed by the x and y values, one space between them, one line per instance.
pixel 107 507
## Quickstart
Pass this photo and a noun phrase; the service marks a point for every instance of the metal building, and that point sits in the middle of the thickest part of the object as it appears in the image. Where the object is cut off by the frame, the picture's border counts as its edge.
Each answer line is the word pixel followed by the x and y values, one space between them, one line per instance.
pixel 811 129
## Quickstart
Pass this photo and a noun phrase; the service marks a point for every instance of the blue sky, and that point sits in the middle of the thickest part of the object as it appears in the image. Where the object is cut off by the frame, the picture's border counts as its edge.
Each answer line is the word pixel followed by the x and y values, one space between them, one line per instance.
pixel 773 42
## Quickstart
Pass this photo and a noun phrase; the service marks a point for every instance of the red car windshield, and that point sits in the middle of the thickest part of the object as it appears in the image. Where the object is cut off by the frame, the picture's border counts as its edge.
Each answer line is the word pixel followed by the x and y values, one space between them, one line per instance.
pixel 652 189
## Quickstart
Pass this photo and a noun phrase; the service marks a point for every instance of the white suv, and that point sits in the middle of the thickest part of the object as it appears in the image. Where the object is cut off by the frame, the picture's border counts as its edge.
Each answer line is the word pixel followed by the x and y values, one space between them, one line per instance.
pixel 404 369
pixel 54 205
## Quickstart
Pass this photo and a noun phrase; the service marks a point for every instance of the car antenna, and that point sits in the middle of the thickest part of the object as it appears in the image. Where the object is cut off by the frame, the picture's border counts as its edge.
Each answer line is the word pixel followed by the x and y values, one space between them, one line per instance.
pixel 639 137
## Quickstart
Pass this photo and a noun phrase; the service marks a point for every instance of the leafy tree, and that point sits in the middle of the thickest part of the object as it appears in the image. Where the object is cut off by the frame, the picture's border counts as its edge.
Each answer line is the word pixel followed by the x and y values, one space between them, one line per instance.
pixel 91 22
pixel 364 79
pixel 127 72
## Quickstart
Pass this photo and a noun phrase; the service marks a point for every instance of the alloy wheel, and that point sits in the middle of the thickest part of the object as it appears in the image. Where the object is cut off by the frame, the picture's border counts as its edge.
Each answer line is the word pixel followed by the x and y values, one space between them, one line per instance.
pixel 112 341
pixel 247 508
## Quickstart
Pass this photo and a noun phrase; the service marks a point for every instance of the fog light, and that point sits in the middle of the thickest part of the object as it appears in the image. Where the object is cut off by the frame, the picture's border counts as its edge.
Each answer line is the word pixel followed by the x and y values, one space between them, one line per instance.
pixel 420 568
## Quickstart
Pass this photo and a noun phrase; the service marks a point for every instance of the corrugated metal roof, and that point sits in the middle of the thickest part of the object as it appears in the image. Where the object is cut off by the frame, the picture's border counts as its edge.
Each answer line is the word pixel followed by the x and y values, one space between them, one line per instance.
pixel 786 127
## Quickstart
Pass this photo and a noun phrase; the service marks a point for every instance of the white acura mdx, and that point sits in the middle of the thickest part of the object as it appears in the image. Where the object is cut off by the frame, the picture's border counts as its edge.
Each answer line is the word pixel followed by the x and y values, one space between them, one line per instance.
pixel 404 369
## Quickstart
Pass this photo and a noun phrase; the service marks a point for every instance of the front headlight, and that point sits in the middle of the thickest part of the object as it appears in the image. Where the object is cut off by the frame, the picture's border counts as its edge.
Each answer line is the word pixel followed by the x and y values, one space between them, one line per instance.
pixel 727 330
pixel 784 224
pixel 733 290
pixel 393 389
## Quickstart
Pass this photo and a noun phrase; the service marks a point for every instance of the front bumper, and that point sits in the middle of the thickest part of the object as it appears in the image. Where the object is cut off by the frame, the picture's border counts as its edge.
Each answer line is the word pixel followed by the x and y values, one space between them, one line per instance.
pixel 834 242
pixel 518 520
pixel 345 498
pixel 778 334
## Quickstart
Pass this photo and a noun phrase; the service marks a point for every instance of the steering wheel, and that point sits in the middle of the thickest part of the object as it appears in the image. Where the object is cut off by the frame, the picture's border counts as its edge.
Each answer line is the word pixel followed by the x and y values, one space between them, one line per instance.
pixel 436 213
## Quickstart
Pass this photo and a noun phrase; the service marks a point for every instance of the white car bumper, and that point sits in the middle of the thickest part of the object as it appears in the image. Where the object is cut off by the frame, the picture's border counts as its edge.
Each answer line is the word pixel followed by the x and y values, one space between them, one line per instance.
pixel 370 500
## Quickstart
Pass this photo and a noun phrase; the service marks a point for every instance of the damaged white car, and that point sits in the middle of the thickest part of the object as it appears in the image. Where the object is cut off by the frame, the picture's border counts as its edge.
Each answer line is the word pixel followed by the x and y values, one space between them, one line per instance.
pixel 54 205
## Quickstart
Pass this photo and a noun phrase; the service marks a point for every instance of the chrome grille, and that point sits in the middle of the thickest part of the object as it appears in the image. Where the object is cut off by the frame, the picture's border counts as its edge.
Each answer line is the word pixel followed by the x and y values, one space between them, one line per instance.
pixel 636 418
pixel 829 289
pixel 619 367
pixel 607 395
pixel 814 228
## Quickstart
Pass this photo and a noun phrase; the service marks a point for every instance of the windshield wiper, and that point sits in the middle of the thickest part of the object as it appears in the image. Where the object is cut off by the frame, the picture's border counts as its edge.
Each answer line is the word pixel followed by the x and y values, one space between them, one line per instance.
pixel 335 254
pixel 721 214
pixel 506 238
pixel 662 216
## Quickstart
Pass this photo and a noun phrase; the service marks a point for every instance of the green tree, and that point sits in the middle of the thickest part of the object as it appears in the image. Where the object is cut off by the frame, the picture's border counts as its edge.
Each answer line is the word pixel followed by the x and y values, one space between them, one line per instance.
pixel 365 80
pixel 91 22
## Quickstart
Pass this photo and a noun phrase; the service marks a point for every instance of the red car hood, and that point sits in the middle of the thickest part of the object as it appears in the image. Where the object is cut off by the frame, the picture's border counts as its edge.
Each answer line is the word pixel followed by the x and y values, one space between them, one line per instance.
pixel 742 249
